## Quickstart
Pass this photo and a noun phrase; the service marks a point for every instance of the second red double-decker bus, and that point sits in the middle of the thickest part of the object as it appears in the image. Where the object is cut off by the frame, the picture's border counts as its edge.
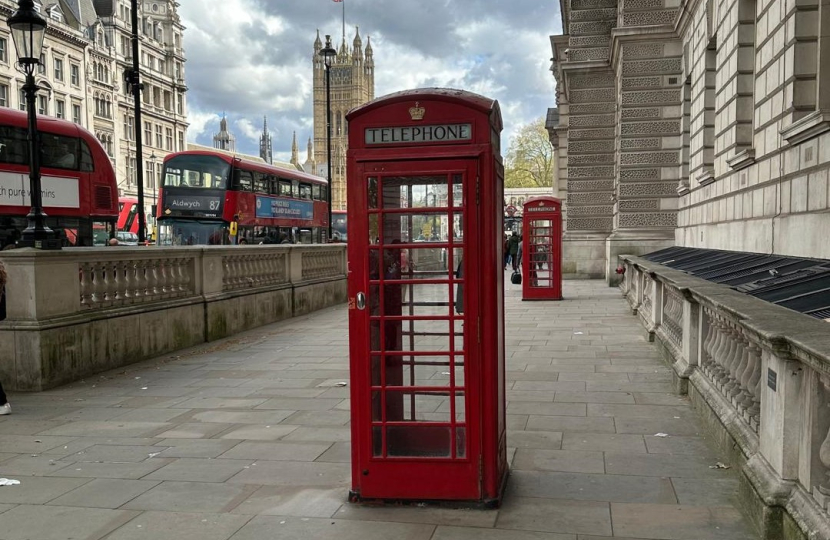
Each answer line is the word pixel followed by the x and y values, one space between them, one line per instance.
pixel 203 193
pixel 78 185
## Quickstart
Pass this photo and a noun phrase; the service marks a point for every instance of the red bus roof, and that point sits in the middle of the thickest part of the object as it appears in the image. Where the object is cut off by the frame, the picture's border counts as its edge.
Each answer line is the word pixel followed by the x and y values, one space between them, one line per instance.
pixel 254 166
pixel 48 124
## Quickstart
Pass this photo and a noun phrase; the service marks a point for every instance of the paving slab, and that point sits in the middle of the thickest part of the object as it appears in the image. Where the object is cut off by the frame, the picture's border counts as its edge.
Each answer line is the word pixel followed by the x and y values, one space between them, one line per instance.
pixel 27 522
pixel 249 440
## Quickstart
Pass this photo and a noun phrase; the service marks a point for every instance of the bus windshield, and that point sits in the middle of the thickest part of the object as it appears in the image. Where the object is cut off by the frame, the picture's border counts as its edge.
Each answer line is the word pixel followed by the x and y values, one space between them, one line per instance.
pixel 338 226
pixel 193 233
pixel 195 171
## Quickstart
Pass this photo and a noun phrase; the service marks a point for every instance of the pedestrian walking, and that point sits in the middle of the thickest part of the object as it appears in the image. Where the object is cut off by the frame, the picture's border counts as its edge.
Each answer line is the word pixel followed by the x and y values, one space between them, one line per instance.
pixel 513 248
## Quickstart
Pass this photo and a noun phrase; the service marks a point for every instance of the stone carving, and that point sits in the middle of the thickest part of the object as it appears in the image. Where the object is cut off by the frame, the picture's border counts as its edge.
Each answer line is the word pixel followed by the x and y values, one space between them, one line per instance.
pixel 588 108
pixel 592 4
pixel 589 41
pixel 591 146
pixel 594 14
pixel 577 134
pixel 589 210
pixel 587 198
pixel 639 113
pixel 590 28
pixel 642 4
pixel 651 128
pixel 641 82
pixel 590 172
pixel 590 159
pixel 649 158
pixel 660 219
pixel 651 97
pixel 643 50
pixel 639 204
pixel 590 81
pixel 640 174
pixel 592 120
pixel 649 18
pixel 657 189
pixel 645 144
pixel 596 53
pixel 592 96
pixel 590 185
pixel 590 224
pixel 664 66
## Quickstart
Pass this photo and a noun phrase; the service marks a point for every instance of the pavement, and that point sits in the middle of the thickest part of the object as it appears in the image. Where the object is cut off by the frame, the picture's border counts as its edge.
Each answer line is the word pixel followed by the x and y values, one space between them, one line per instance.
pixel 248 439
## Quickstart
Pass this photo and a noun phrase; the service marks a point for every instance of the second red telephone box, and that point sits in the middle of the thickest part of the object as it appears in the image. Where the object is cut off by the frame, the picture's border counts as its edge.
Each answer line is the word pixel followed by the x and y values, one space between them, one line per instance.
pixel 542 249
pixel 426 314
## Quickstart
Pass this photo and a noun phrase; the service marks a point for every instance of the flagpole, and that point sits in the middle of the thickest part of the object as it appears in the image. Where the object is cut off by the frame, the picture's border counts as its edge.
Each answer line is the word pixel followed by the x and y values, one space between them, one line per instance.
pixel 344 19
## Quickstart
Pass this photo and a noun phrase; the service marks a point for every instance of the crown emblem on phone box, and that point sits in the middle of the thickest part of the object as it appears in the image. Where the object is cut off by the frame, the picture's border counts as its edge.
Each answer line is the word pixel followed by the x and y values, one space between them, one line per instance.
pixel 417 112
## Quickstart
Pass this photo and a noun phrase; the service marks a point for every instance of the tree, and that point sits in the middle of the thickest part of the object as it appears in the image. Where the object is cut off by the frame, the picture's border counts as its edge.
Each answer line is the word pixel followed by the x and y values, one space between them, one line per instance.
pixel 530 161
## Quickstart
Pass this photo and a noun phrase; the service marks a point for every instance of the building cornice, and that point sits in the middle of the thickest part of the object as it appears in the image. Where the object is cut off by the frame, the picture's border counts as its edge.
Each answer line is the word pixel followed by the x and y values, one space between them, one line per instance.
pixel 810 126
pixel 633 34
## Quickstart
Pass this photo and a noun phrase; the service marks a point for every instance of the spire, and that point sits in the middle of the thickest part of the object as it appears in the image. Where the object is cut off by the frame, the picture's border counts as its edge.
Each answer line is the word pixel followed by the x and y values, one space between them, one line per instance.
pixel 318 45
pixel 265 151
pixel 310 150
pixel 369 46
pixel 357 45
pixel 295 153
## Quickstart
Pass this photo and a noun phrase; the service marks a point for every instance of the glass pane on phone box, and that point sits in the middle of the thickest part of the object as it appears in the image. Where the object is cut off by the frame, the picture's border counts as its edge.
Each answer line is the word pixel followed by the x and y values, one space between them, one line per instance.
pixel 425 335
pixel 414 191
pixel 420 370
pixel 460 407
pixel 457 191
pixel 420 263
pixel 372 192
pixel 415 406
pixel 424 299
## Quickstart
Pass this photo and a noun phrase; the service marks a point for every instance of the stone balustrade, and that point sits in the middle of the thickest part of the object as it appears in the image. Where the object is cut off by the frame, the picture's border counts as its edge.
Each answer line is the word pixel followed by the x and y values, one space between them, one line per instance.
pixel 76 312
pixel 759 374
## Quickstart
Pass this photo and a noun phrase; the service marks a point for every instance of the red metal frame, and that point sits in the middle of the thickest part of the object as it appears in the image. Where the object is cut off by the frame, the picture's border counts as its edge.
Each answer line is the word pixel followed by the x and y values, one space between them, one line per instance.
pixel 97 189
pixel 427 363
pixel 542 249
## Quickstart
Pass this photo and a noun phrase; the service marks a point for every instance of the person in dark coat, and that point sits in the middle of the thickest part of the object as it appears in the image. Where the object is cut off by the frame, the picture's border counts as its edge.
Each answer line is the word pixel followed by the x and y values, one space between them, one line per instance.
pixel 513 249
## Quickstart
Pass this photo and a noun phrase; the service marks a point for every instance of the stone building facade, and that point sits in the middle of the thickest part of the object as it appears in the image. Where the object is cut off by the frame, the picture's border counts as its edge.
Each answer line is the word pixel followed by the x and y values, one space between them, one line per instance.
pixel 701 123
pixel 352 83
pixel 87 49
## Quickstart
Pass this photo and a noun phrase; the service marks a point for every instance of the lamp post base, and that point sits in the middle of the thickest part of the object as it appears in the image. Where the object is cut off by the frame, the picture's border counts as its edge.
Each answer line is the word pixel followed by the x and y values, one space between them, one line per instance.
pixel 43 239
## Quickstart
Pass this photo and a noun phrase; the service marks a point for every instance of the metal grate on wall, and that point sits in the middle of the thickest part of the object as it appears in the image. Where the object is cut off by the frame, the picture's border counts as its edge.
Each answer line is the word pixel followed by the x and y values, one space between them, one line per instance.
pixel 797 283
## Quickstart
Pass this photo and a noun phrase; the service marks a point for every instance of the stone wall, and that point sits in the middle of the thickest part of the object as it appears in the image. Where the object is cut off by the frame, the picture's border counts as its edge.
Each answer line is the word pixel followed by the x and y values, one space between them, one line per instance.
pixel 759 375
pixel 702 123
pixel 73 313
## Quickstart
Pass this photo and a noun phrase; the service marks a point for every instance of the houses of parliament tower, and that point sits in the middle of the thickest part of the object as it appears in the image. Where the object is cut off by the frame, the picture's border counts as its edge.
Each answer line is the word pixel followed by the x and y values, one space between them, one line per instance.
pixel 352 84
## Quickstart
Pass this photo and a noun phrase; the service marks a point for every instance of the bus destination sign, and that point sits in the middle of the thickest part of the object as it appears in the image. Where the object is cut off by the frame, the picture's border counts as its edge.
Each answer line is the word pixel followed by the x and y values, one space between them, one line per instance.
pixel 419 134
pixel 195 205
pixel 272 207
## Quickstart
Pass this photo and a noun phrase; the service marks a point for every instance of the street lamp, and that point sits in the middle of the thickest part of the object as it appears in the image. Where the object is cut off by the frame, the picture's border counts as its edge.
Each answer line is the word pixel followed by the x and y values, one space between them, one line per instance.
pixel 28 30
pixel 328 53
pixel 154 187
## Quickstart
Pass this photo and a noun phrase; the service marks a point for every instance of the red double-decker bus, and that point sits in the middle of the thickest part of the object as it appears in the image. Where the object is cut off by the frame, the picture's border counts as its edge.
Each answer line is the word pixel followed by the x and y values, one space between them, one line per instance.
pixel 339 225
pixel 203 193
pixel 78 185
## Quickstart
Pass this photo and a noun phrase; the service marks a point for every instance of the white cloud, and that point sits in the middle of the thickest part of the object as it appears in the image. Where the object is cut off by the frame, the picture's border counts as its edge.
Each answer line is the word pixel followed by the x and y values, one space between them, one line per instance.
pixel 253 57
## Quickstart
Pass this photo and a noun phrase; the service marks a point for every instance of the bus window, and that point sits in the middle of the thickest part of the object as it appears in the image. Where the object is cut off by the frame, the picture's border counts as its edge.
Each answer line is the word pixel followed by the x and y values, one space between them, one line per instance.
pixel 196 172
pixel 273 185
pixel 87 165
pixel 59 152
pixel 260 183
pixel 305 191
pixel 285 188
pixel 14 145
pixel 295 189
pixel 243 180
pixel 315 192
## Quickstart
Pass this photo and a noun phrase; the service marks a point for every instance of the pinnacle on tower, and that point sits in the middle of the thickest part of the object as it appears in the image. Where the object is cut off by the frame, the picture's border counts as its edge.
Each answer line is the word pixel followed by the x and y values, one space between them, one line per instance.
pixel 295 152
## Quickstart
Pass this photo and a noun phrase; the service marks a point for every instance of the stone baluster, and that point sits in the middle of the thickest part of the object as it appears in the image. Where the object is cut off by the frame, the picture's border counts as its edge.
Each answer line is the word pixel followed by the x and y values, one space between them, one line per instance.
pixel 733 359
pixel 744 374
pixel 166 278
pixel 128 290
pixel 718 349
pixel 154 279
pixel 142 270
pixel 87 285
pixel 754 410
pixel 118 270
pixel 706 360
pixel 824 457
pixel 180 277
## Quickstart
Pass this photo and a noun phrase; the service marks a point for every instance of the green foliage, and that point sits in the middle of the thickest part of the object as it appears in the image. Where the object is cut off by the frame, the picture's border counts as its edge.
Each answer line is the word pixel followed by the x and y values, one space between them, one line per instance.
pixel 529 162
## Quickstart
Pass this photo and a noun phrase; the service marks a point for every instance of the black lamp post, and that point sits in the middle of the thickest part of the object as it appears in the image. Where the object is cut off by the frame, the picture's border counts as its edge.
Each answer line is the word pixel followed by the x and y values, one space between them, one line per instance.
pixel 328 53
pixel 154 188
pixel 28 30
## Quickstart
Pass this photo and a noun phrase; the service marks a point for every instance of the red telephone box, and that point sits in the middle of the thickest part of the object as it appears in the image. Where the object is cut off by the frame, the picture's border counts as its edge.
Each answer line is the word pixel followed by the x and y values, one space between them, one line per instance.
pixel 542 249
pixel 426 314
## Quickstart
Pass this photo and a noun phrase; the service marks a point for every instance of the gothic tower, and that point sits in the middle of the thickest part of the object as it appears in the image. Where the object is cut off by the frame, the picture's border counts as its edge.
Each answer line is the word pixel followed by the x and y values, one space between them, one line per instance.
pixel 295 151
pixel 265 151
pixel 224 140
pixel 352 82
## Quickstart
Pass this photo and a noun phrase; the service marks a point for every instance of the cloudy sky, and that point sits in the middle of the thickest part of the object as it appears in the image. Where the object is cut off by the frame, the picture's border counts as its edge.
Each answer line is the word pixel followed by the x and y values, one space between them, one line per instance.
pixel 249 58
